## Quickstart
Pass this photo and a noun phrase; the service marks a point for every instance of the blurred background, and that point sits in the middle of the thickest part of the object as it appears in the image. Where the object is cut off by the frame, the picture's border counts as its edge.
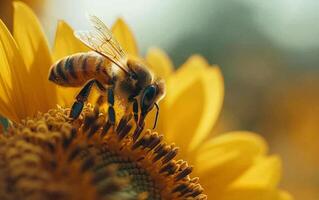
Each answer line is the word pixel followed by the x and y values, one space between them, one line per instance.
pixel 268 52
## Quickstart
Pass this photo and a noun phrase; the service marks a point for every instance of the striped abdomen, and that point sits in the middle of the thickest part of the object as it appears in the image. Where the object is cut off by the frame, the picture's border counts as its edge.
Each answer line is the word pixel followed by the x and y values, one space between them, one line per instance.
pixel 75 70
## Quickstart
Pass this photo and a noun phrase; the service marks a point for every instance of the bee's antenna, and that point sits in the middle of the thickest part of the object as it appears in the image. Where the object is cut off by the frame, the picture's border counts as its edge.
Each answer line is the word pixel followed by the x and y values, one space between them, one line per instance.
pixel 156 117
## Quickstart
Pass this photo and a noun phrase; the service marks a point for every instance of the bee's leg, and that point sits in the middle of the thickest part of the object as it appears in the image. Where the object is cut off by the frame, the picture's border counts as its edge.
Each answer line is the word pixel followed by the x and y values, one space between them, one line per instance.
pixel 135 110
pixel 99 102
pixel 102 98
pixel 81 98
pixel 100 86
pixel 110 100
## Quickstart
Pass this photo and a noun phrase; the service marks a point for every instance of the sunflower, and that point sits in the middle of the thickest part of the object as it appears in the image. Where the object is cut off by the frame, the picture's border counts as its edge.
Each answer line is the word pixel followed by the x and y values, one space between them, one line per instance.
pixel 45 155
pixel 231 166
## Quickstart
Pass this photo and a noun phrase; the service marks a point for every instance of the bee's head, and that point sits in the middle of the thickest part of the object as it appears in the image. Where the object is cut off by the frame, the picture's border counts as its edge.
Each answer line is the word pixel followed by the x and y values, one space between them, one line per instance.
pixel 150 91
pixel 150 97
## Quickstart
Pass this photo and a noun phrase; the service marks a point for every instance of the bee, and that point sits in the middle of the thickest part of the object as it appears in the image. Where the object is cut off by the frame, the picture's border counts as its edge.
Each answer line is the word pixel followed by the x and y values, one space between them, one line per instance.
pixel 108 68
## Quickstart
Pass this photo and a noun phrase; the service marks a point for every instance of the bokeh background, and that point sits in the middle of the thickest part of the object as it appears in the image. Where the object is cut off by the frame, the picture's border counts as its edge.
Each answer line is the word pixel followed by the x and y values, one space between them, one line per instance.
pixel 268 52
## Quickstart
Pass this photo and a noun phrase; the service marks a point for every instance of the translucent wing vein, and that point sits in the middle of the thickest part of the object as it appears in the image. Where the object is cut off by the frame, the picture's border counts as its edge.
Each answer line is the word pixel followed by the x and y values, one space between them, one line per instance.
pixel 101 40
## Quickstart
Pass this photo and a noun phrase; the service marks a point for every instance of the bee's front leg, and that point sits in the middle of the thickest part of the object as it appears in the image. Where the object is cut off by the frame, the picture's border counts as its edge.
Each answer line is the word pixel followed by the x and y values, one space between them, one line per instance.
pixel 132 107
pixel 135 110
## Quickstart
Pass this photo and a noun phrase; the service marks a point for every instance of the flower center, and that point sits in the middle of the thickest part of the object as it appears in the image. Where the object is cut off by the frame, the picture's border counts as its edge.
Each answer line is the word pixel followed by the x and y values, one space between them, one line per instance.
pixel 140 180
pixel 50 156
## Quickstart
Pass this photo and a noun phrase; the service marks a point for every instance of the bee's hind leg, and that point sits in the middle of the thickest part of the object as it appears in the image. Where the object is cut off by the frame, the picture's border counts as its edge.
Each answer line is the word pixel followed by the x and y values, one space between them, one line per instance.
pixel 81 98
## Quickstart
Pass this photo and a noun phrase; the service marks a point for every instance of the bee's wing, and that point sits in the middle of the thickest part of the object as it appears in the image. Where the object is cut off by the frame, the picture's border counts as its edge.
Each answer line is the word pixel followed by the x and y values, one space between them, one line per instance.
pixel 101 40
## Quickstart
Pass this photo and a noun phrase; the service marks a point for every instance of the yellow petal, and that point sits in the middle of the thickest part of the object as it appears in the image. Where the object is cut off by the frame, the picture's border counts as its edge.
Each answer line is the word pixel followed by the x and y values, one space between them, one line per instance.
pixel 125 37
pixel 6 54
pixel 213 101
pixel 283 195
pixel 15 89
pixel 247 193
pixel 65 42
pixel 159 63
pixel 251 192
pixel 225 158
pixel 33 47
pixel 29 36
pixel 265 173
pixel 191 71
pixel 194 98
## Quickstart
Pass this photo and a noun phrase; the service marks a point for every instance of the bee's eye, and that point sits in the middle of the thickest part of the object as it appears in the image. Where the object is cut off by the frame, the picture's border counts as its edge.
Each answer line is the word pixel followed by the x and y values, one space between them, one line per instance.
pixel 148 97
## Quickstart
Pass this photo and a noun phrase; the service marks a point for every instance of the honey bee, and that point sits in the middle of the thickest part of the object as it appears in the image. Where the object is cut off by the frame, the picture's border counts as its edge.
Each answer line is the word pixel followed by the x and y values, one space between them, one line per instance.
pixel 108 68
